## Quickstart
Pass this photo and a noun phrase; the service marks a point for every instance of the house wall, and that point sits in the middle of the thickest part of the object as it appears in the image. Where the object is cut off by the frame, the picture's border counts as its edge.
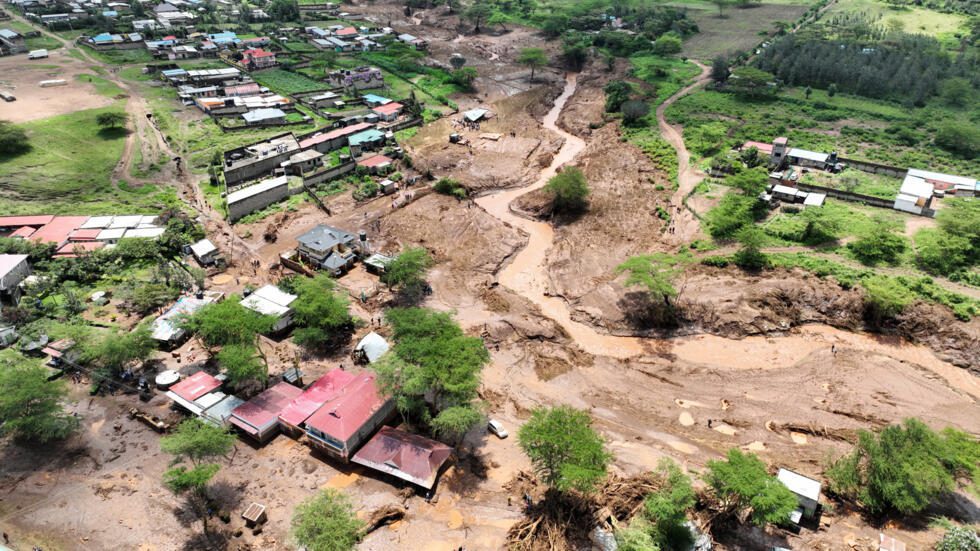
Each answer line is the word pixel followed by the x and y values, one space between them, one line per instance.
pixel 874 168
pixel 260 167
pixel 848 196
pixel 14 277
pixel 383 414
pixel 256 202
pixel 331 173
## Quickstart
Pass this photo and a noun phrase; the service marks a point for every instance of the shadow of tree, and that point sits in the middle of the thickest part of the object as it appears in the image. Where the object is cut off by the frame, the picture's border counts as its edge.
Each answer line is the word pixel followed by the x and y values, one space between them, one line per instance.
pixel 644 313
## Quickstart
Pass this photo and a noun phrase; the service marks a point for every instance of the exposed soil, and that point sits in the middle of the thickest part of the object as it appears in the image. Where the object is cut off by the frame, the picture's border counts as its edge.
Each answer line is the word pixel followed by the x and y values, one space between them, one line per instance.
pixel 22 77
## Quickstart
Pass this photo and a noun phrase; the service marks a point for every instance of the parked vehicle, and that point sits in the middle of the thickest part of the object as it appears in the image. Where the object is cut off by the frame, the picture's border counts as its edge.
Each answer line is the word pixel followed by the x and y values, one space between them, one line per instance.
pixel 497 428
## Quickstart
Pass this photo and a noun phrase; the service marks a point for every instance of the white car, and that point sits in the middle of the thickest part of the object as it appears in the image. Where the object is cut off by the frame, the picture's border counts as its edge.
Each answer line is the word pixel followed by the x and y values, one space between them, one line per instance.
pixel 496 427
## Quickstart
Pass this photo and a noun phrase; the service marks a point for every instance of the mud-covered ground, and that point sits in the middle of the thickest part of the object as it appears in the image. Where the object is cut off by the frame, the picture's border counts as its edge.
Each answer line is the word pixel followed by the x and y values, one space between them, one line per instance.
pixel 793 384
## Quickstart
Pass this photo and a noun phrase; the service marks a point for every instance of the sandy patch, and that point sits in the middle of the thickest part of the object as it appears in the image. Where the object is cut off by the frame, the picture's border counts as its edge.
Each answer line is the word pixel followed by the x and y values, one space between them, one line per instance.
pixel 685 419
pixel 21 77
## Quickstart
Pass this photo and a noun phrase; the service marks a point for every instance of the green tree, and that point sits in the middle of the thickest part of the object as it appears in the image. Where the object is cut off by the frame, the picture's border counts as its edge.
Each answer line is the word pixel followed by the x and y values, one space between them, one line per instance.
pixel 656 272
pixel 750 256
pixel 31 407
pixel 957 91
pixel 721 5
pixel 451 187
pixel 904 468
pixel 959 137
pixel 13 139
pixel 940 252
pixel 322 313
pixel 667 507
pixel 406 273
pixel 734 212
pixel 111 119
pixel 960 217
pixel 227 322
pixel 831 90
pixel 242 364
pixel 115 351
pixel 808 92
pixel 454 422
pixel 569 190
pixel 478 14
pixel 820 226
pixel 137 8
pixel 959 538
pixel 668 43
pixel 617 92
pixel 742 482
pixel 464 77
pixel 499 19
pixel 752 83
pixel 634 111
pixel 749 182
pixel 636 537
pixel 719 69
pixel 432 368
pixel 564 448
pixel 198 443
pixel 284 10
pixel 535 58
pixel 885 298
pixel 326 522
pixel 881 243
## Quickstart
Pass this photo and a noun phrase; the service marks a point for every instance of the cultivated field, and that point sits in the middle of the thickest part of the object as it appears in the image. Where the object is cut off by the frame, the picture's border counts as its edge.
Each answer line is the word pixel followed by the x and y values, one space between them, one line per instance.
pixel 739 30
pixel 913 20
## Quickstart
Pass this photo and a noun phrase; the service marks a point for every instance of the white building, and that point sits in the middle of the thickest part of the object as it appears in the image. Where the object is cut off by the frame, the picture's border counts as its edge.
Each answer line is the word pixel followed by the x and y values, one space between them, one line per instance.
pixel 915 195
pixel 270 300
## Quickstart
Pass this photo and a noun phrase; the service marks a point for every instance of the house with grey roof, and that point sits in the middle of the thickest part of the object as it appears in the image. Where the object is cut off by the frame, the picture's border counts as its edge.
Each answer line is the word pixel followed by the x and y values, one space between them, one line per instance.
pixel 332 249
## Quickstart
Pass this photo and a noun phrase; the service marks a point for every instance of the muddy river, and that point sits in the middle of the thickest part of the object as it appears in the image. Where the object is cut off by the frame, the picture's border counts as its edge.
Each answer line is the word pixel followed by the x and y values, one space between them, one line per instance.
pixel 527 276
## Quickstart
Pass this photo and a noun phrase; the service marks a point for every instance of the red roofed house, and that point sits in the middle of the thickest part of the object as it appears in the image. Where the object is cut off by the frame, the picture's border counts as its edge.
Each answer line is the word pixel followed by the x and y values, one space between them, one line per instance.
pixel 57 230
pixel 323 390
pixel 85 235
pixel 389 111
pixel 764 148
pixel 23 232
pixel 342 424
pixel 73 248
pixel 407 456
pixel 259 417
pixel 259 58
pixel 197 393
pixel 346 32
pixel 13 223
pixel 325 142
pixel 376 164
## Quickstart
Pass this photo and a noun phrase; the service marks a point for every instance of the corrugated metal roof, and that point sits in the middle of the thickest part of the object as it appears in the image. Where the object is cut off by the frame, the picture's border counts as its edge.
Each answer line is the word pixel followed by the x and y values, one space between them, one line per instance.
pixel 262 411
pixel 323 390
pixel 799 484
pixel 342 417
pixel 407 456
pixel 195 386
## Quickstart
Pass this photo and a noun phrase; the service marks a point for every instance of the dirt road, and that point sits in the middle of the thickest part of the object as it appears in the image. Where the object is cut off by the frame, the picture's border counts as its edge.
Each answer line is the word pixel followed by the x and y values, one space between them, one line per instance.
pixel 685 225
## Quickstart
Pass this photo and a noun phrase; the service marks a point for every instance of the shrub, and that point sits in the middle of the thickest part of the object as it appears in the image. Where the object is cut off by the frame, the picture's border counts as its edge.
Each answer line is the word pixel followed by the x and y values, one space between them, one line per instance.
pixel 451 187
pixel 570 191
pixel 743 482
pixel 13 139
pixel 959 538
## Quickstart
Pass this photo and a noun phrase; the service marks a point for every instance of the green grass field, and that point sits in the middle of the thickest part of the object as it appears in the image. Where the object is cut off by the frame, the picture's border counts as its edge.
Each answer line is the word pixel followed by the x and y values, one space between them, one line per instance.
pixel 856 127
pixel 913 20
pixel 67 170
pixel 102 86
pixel 666 74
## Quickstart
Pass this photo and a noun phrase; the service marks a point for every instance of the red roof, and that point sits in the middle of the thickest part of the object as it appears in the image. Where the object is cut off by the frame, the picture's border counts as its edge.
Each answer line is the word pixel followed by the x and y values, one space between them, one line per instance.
pixel 262 411
pixel 408 456
pixel 335 133
pixel 346 31
pixel 17 221
pixel 84 235
pixel 354 406
pixel 256 39
pixel 195 386
pixel 72 248
pixel 388 108
pixel 762 147
pixel 23 232
pixel 57 230
pixel 325 388
pixel 258 52
pixel 377 160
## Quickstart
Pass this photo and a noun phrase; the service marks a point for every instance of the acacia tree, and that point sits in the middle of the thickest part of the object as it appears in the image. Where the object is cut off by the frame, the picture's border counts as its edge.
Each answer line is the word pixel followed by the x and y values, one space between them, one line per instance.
pixel 406 273
pixel 235 329
pixel 569 190
pixel 478 14
pixel 31 407
pixel 906 467
pixel 535 58
pixel 322 313
pixel 114 352
pixel 199 444
pixel 656 272
pixel 326 522
pixel 111 119
pixel 433 371
pixel 667 507
pixel 743 483
pixel 564 448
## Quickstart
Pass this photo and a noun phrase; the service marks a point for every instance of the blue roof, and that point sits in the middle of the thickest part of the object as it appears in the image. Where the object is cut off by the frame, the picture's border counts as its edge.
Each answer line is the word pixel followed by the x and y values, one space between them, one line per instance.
pixel 173 72
pixel 263 114
pixel 110 13
pixel 223 37
pixel 369 135
pixel 374 98
pixel 104 37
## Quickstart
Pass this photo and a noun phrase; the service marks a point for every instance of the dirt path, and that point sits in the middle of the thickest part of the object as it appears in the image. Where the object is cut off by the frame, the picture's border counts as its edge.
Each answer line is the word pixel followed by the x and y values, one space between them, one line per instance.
pixel 684 225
